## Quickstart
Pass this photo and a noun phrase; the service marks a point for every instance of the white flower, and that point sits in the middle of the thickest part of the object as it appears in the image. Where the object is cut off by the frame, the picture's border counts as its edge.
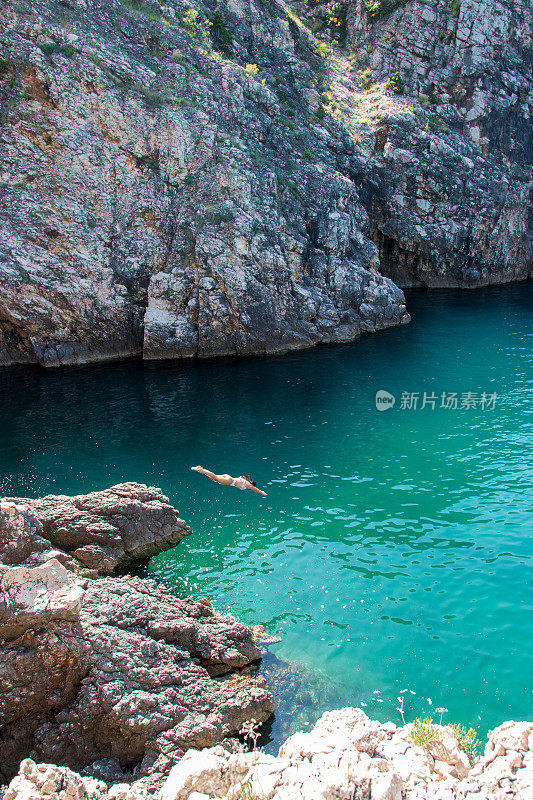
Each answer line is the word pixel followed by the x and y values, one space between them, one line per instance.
pixel 430 701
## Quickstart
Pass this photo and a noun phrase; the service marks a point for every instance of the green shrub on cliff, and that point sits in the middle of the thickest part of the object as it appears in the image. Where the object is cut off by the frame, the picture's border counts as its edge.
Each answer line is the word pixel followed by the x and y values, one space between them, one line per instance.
pixel 365 76
pixel 395 83
pixel 220 33
pixel 5 66
pixel 423 732
pixel 324 50
pixel 198 28
pixel 48 48
pixel 376 9
pixel 148 10
pixel 467 741
pixel 244 792
pixel 252 70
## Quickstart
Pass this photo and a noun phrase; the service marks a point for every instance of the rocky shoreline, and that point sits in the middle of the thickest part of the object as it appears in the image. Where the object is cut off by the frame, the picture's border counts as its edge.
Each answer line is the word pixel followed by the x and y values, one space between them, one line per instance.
pixel 111 675
pixel 115 689
pixel 347 756
pixel 183 180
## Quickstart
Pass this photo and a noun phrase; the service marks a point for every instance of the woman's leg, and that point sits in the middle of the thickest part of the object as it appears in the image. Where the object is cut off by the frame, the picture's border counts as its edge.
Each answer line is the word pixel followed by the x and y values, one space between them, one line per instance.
pixel 224 479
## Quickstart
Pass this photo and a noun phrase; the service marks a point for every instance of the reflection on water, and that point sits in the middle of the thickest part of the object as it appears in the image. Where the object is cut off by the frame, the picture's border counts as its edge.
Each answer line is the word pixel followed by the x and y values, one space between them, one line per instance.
pixel 393 550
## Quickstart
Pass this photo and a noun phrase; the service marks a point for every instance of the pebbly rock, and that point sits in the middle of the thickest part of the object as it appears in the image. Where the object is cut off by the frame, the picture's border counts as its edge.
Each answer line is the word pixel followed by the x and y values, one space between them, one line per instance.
pixel 348 755
pixel 129 679
pixel 345 756
pixel 114 676
pixel 93 533
pixel 34 597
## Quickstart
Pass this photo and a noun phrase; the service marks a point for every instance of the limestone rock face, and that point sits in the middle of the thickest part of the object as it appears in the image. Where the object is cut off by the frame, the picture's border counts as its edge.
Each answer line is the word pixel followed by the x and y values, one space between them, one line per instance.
pixel 167 198
pixel 161 199
pixel 345 756
pixel 33 597
pixel 453 204
pixel 348 756
pixel 95 533
pixel 129 679
pixel 20 533
pixel 36 781
pixel 113 675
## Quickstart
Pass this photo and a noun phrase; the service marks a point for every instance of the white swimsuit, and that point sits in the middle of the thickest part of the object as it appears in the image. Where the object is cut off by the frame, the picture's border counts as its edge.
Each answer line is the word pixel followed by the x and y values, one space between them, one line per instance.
pixel 243 487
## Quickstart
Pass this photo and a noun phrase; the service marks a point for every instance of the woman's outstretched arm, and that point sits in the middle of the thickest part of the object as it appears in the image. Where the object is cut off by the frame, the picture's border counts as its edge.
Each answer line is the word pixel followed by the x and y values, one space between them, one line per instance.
pixel 254 488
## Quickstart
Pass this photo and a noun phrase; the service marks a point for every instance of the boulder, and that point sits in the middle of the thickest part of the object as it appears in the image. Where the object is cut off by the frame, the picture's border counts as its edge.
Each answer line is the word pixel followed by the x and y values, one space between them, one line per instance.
pixel 48 782
pixel 337 761
pixel 110 675
pixel 20 532
pixel 96 532
pixel 128 679
pixel 348 756
pixel 35 597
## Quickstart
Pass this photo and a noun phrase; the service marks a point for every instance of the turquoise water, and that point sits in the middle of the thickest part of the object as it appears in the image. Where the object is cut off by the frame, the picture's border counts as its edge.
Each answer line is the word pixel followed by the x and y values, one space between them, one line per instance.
pixel 394 549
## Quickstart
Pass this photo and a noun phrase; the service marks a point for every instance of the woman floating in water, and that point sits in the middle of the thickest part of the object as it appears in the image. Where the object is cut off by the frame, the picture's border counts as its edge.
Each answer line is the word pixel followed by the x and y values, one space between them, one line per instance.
pixel 242 482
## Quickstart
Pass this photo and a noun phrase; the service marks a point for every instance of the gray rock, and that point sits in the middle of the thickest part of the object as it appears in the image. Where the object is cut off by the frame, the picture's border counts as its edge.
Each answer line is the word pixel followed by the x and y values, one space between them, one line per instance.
pixel 35 597
pixel 453 181
pixel 96 532
pixel 20 533
pixel 348 756
pixel 166 201
pixel 129 680
pixel 114 675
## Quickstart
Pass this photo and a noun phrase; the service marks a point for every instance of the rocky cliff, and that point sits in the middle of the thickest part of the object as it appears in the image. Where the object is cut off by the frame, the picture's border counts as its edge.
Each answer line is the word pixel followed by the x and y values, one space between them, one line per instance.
pixel 210 180
pixel 91 534
pixel 457 209
pixel 112 675
pixel 346 756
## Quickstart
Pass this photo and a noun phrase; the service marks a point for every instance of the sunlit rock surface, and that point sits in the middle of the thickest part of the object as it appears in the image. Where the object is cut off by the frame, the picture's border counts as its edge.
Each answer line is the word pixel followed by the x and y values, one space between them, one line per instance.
pixel 94 533
pixel 112 675
pixel 161 198
pixel 454 205
pixel 345 756
pixel 174 191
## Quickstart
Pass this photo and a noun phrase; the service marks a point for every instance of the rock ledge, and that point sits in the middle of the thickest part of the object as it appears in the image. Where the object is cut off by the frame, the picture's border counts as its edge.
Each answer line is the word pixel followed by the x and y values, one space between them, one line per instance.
pixel 113 675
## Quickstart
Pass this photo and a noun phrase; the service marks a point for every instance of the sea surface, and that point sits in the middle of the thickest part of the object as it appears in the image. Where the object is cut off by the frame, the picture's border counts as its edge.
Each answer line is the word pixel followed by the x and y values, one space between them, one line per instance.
pixel 393 553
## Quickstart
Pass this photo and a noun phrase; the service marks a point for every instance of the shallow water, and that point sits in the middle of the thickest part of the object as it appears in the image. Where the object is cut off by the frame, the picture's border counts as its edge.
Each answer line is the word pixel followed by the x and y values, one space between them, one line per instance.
pixel 394 549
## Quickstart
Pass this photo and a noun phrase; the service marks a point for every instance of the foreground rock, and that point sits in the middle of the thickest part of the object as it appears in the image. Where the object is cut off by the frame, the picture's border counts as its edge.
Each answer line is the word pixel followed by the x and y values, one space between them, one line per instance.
pixel 95 533
pixel 115 671
pixel 345 756
pixel 348 756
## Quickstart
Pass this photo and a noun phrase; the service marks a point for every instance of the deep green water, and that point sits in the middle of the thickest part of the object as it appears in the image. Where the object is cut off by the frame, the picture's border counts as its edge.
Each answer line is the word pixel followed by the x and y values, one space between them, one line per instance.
pixel 394 549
